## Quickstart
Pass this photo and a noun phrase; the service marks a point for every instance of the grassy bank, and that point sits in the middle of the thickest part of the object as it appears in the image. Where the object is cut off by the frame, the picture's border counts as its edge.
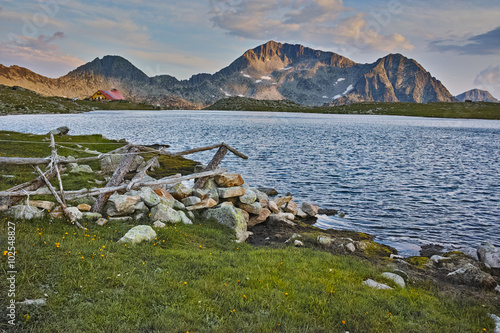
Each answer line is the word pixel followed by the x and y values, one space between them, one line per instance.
pixel 476 110
pixel 195 278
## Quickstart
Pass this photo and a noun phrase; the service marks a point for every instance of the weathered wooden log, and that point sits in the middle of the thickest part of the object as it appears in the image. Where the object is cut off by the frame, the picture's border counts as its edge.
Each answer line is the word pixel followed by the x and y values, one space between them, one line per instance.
pixel 142 173
pixel 116 179
pixel 54 193
pixel 212 165
pixel 55 165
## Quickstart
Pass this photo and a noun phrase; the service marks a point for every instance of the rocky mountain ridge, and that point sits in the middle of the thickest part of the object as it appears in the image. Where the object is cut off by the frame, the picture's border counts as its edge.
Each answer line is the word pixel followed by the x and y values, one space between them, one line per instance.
pixel 477 95
pixel 271 71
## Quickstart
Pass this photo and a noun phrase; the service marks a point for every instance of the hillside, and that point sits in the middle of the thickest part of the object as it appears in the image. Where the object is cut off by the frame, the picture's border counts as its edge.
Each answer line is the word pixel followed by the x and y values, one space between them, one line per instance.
pixel 477 95
pixel 271 71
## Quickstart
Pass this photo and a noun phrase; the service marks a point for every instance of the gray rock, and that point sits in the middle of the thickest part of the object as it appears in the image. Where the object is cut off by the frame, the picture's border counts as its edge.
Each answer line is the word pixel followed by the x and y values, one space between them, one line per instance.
pixel 165 213
pixel 437 259
pixel 291 207
pixel 139 234
pixel 268 191
pixel 230 192
pixel 88 216
pixel 496 319
pixel 63 130
pixel 298 243
pixel 147 195
pixel 489 255
pixel 396 278
pixel 255 208
pixel 396 256
pixel 350 247
pixel 184 218
pixel 22 212
pixel 309 209
pixel 159 224
pixel 282 218
pixel 231 217
pixel 249 197
pixel 40 301
pixel 280 201
pixel 81 169
pixel 180 191
pixel 73 213
pixel 190 201
pixel 207 203
pixel 202 194
pixel 141 208
pixel 48 205
pixel 373 284
pixel 497 289
pixel 261 197
pixel 323 240
pixel 472 276
pixel 301 214
pixel 101 221
pixel 110 162
pixel 122 204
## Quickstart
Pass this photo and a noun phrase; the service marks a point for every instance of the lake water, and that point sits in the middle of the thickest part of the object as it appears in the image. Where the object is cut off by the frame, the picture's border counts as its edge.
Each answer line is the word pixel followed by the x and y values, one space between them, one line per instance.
pixel 409 181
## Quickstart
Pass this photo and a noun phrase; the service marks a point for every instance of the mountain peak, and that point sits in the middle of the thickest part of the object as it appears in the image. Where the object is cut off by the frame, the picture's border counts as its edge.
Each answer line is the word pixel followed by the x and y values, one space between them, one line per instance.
pixel 477 95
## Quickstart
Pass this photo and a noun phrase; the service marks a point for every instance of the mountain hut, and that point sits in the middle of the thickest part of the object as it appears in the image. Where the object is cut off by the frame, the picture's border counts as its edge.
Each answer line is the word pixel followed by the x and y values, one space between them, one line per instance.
pixel 107 95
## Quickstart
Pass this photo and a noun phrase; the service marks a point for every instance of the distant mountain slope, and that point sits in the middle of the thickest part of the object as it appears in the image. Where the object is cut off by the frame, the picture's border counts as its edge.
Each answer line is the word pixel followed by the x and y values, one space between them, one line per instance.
pixel 477 95
pixel 272 71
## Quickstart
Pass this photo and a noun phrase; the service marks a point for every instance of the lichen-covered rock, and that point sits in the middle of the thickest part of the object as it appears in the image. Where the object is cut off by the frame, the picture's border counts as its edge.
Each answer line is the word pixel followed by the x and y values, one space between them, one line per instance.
pixel 231 217
pixel 122 204
pixel 230 192
pixel 180 191
pixel 159 224
pixel 81 169
pixel 323 240
pixel 249 197
pixel 110 162
pixel 255 208
pixel 73 213
pixel 262 198
pixel 91 217
pixel 229 180
pixel 207 203
pixel 147 195
pixel 190 201
pixel 309 209
pixel 139 234
pixel 101 221
pixel 396 278
pixel 472 276
pixel 184 218
pixel 165 213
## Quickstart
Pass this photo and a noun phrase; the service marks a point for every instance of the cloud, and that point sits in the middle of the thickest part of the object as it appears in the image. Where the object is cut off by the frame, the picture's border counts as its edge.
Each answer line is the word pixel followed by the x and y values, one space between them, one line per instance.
pixel 489 79
pixel 483 44
pixel 39 54
pixel 318 21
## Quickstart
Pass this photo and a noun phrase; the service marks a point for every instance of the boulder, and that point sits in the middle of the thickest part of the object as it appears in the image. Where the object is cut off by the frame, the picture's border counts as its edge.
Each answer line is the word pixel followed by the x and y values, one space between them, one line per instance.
pixel 110 162
pixel 207 203
pixel 101 221
pixel 231 217
pixel 309 209
pixel 273 207
pixel 249 197
pixel 282 218
pixel 48 205
pixel 472 276
pixel 165 213
pixel 373 284
pixel 230 192
pixel 191 201
pixel 81 169
pixel 159 224
pixel 139 234
pixel 170 201
pixel 229 180
pixel 254 208
pixel 184 218
pixel 396 278
pixel 147 195
pixel 22 212
pixel 489 255
pixel 73 213
pixel 291 207
pixel 84 207
pixel 180 191
pixel 254 220
pixel 280 201
pixel 122 204
pixel 268 191
pixel 63 130
pixel 211 189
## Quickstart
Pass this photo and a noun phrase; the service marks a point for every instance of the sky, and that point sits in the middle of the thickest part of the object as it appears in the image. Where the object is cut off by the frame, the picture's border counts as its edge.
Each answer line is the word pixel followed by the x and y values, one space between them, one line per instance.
pixel 457 41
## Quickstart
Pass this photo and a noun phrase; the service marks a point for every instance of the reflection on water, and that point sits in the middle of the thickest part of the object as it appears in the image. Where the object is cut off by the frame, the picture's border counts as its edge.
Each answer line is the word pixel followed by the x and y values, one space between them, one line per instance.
pixel 405 180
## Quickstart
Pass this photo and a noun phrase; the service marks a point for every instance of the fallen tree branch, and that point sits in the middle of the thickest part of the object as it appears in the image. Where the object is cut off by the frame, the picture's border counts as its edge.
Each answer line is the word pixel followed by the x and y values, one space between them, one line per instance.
pixel 142 173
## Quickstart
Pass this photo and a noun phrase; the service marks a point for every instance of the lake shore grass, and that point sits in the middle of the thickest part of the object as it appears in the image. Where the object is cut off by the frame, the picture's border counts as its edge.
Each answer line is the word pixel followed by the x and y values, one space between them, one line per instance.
pixel 195 278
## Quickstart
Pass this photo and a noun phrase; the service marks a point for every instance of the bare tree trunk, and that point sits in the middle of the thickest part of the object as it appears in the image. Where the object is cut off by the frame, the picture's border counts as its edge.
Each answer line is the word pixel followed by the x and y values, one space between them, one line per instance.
pixel 212 165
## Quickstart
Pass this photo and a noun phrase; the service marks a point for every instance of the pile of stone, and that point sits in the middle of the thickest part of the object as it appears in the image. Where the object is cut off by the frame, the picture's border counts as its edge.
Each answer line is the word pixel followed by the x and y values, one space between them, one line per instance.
pixel 225 198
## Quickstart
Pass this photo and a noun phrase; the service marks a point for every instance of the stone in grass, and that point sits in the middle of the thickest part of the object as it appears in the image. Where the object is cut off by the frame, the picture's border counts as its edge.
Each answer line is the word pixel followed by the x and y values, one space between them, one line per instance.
pixel 39 301
pixel 147 195
pixel 101 221
pixel 73 213
pixel 159 224
pixel 83 207
pixel 396 278
pixel 184 218
pixel 350 247
pixel 122 204
pixel 81 169
pixel 472 276
pixel 138 234
pixel 298 243
pixel 22 212
pixel 231 217
pixel 88 216
pixel 121 219
pixel 373 284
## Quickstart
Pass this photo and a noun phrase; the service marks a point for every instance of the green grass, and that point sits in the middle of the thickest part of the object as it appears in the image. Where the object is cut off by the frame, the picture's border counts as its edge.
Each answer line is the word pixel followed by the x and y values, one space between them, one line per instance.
pixel 476 110
pixel 195 278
